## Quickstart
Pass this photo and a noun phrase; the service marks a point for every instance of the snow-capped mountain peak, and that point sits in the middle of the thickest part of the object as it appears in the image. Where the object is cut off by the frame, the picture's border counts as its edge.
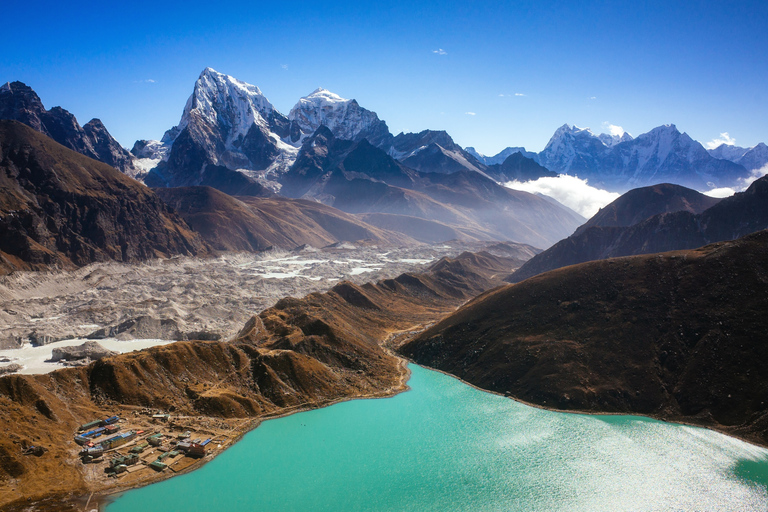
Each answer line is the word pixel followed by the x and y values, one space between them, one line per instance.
pixel 751 158
pixel 499 157
pixel 226 102
pixel 324 97
pixel 611 140
pixel 225 123
pixel 345 118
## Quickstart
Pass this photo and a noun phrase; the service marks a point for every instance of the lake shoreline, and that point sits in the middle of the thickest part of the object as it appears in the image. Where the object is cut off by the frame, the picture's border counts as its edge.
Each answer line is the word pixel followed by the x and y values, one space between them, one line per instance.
pixel 456 447
pixel 714 428
pixel 100 501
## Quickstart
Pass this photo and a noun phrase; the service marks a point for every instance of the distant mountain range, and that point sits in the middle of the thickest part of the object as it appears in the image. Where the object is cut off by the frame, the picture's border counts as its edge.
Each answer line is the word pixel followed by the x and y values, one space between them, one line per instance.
pixel 357 177
pixel 229 126
pixel 750 158
pixel 663 155
pixel 332 150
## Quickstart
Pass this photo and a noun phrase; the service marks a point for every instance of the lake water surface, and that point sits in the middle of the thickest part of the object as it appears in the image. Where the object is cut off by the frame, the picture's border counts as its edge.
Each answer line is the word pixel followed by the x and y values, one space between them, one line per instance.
pixel 447 446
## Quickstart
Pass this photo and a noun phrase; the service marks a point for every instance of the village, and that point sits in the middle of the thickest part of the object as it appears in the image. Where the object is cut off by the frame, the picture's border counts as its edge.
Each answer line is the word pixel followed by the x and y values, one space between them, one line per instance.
pixel 147 442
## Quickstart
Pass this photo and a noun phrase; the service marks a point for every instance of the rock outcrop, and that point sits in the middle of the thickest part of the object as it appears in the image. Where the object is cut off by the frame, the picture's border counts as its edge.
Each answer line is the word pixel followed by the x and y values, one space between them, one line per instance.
pixel 91 350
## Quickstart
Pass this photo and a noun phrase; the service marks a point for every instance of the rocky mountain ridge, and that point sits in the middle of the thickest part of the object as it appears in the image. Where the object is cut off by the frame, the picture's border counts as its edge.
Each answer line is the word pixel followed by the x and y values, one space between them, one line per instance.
pixel 751 159
pixel 229 126
pixel 360 178
pixel 662 155
pixel 19 102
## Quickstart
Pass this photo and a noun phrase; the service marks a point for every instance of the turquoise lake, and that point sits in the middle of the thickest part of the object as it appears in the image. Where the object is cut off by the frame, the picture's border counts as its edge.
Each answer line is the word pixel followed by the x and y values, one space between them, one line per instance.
pixel 444 445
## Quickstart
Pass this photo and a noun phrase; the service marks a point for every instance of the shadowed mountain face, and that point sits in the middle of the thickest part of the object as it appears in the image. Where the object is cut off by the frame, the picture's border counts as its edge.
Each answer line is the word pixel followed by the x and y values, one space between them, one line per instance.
pixel 517 167
pixel 255 223
pixel 730 218
pixel 361 178
pixel 433 151
pixel 678 335
pixel 20 103
pixel 641 203
pixel 58 207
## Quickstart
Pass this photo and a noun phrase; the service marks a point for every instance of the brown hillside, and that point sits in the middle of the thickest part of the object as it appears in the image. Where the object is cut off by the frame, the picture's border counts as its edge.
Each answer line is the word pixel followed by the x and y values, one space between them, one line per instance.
pixel 679 336
pixel 732 217
pixel 301 353
pixel 256 223
pixel 58 207
pixel 424 230
pixel 641 203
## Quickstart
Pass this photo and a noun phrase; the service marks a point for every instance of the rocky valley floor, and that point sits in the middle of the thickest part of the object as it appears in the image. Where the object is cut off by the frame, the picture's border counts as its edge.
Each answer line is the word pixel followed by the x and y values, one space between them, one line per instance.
pixel 184 298
pixel 299 353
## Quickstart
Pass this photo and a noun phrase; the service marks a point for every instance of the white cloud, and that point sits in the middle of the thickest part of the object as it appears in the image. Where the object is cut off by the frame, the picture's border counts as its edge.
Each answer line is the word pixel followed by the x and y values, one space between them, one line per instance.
pixel 147 81
pixel 519 94
pixel 593 97
pixel 613 129
pixel 470 113
pixel 720 192
pixel 440 51
pixel 741 185
pixel 571 191
pixel 284 66
pixel 724 139
pixel 502 95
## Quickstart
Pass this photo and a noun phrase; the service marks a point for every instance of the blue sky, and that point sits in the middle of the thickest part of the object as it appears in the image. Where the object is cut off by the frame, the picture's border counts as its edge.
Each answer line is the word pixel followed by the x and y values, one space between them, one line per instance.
pixel 491 74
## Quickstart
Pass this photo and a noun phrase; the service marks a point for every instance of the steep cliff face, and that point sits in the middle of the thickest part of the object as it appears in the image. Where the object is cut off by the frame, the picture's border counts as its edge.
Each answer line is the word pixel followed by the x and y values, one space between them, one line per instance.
pixel 228 131
pixel 676 335
pixel 20 103
pixel 58 207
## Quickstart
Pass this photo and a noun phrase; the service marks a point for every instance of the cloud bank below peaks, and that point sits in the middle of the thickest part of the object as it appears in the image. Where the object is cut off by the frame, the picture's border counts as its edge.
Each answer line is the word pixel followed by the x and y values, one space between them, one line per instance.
pixel 571 191
pixel 743 183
